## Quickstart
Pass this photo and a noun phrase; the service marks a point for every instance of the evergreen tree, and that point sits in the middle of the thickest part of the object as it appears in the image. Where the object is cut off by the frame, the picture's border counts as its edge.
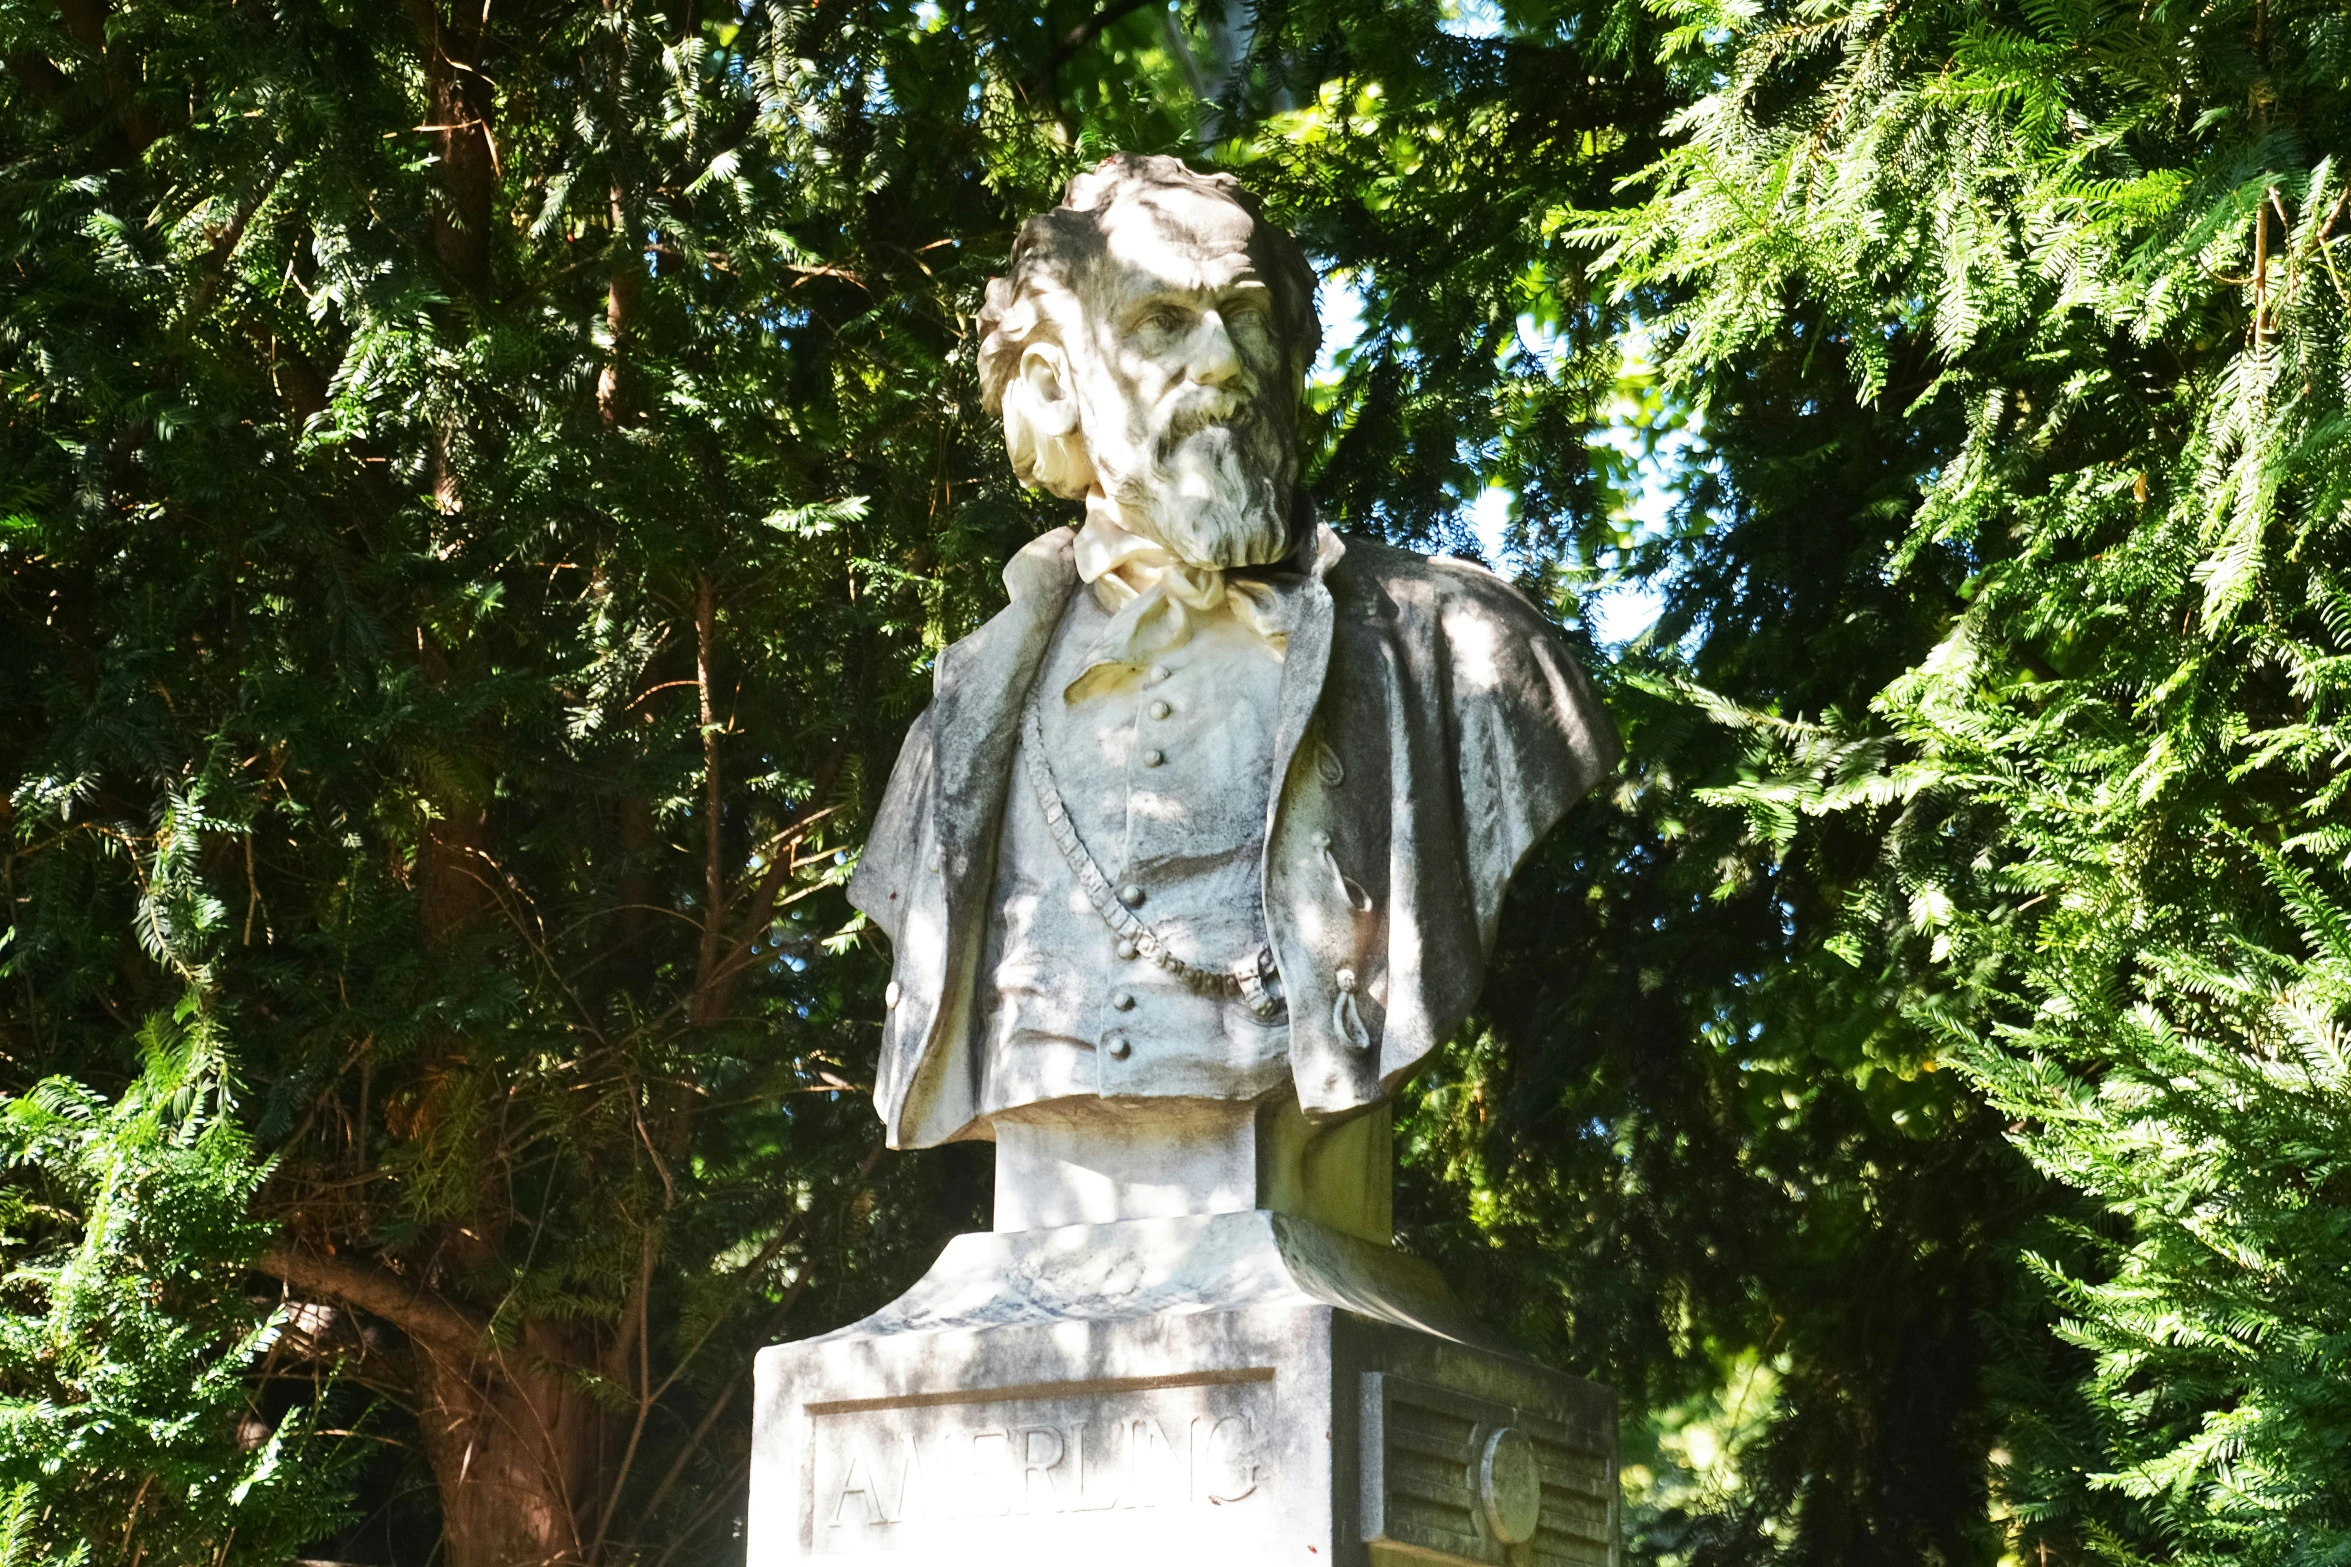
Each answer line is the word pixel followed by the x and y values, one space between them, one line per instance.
pixel 127 1353
pixel 1684 1147
pixel 2098 254
pixel 481 487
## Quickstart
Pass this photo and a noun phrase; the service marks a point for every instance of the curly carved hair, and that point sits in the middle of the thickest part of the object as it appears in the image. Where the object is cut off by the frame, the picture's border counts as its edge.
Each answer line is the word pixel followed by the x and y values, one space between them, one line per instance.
pixel 1036 301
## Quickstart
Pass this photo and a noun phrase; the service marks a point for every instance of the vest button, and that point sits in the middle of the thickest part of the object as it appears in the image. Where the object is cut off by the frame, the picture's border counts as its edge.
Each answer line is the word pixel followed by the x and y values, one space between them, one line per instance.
pixel 891 994
pixel 1154 758
pixel 1158 672
pixel 1119 1046
pixel 1127 949
pixel 1131 895
pixel 1160 710
pixel 1124 1000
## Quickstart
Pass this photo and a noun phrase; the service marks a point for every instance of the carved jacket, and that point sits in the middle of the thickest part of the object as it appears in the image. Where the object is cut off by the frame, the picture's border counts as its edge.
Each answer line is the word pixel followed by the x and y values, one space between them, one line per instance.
pixel 1430 728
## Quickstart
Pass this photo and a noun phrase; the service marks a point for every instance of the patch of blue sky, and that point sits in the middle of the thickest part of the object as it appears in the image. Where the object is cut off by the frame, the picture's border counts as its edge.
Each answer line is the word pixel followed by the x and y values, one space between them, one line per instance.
pixel 1340 304
pixel 1658 462
pixel 1620 611
pixel 1472 18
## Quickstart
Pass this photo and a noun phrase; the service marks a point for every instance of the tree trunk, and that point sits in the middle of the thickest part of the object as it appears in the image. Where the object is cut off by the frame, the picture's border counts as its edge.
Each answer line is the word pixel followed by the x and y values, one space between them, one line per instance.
pixel 458 103
pixel 621 296
pixel 458 98
pixel 519 1449
pixel 514 1441
pixel 515 1448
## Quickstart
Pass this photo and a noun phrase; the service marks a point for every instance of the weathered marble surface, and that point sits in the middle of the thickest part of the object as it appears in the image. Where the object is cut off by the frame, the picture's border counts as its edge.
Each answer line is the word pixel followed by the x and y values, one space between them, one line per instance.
pixel 1196 855
pixel 1173 1157
pixel 1239 1389
pixel 1395 732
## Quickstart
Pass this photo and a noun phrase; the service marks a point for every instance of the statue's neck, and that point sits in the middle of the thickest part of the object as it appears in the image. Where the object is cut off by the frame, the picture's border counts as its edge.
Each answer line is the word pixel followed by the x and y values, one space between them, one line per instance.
pixel 1104 508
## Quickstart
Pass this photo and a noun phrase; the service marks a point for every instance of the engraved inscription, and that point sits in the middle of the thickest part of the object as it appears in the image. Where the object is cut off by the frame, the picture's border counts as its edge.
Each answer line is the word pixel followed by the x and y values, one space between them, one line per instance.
pixel 1035 1452
pixel 1087 1465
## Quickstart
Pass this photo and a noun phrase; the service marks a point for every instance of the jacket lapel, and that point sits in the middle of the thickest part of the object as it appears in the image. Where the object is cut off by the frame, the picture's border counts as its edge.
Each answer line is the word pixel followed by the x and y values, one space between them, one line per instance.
pixel 1305 664
pixel 976 698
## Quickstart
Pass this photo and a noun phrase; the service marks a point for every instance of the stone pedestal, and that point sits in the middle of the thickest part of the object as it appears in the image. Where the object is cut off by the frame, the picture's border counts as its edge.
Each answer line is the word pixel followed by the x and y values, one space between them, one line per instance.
pixel 1237 1389
pixel 1097 1161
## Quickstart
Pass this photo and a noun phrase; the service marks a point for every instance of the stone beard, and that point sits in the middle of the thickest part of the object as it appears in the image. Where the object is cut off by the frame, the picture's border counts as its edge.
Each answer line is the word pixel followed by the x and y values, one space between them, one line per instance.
pixel 1220 809
pixel 1212 486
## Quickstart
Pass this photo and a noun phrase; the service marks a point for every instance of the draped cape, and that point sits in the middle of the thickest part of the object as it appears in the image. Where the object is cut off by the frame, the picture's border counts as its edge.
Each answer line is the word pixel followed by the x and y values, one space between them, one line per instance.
pixel 1431 727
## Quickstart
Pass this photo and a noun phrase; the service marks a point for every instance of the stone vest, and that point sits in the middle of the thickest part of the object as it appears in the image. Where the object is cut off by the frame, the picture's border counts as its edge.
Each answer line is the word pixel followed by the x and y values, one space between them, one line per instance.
pixel 1430 727
pixel 1164 774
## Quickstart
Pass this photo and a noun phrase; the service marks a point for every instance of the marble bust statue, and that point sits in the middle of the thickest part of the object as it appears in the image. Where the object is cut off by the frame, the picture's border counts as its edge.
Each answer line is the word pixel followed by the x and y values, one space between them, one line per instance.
pixel 1201 846
pixel 1198 852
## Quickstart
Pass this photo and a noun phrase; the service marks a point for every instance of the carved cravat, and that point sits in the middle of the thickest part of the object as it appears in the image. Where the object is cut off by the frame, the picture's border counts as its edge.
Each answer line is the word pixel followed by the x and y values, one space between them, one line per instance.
pixel 1155 600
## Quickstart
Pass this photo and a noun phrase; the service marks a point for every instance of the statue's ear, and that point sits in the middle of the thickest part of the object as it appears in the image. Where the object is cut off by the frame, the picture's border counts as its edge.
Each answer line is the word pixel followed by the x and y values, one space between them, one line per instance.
pixel 1052 409
pixel 1041 423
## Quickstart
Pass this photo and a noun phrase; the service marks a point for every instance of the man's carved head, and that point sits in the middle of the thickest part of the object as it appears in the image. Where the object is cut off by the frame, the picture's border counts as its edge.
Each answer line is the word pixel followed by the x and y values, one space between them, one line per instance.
pixel 1152 341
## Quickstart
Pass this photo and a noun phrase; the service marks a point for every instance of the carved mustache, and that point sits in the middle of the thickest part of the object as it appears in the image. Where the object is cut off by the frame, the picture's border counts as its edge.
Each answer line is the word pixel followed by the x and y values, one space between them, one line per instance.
pixel 1198 409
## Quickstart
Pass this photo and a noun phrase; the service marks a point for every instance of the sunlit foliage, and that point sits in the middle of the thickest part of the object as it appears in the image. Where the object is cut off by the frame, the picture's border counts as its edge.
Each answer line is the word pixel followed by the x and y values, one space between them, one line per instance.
pixel 2099 255
pixel 480 489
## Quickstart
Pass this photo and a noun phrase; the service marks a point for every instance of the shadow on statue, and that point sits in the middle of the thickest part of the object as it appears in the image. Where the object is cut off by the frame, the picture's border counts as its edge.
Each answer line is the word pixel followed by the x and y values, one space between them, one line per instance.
pixel 1196 855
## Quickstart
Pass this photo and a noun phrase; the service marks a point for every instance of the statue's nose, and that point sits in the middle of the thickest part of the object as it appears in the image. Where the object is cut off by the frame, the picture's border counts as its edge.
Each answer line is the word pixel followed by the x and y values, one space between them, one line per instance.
pixel 1215 358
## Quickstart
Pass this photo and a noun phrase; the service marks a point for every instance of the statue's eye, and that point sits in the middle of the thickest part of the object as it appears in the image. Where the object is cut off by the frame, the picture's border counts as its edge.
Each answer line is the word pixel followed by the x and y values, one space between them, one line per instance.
pixel 1164 318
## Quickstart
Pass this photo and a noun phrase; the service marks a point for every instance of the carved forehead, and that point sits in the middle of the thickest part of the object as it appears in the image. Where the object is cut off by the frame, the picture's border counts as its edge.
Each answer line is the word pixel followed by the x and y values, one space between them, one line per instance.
pixel 1184 238
pixel 1191 222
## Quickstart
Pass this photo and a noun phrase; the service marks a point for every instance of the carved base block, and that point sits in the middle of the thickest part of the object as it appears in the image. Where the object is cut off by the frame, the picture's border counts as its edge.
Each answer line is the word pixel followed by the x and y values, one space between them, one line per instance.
pixel 1233 1389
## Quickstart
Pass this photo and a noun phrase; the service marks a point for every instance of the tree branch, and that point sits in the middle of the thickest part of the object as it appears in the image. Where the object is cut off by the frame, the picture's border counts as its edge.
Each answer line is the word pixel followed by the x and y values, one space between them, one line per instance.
pixel 424 1316
pixel 216 267
pixel 716 994
pixel 317 1334
pixel 714 886
pixel 1078 37
pixel 40 77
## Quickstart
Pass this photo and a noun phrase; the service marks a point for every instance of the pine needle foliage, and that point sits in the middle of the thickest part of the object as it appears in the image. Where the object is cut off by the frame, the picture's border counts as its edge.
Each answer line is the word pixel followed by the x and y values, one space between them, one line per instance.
pixel 479 491
pixel 128 1342
pixel 2098 257
pixel 1684 1147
